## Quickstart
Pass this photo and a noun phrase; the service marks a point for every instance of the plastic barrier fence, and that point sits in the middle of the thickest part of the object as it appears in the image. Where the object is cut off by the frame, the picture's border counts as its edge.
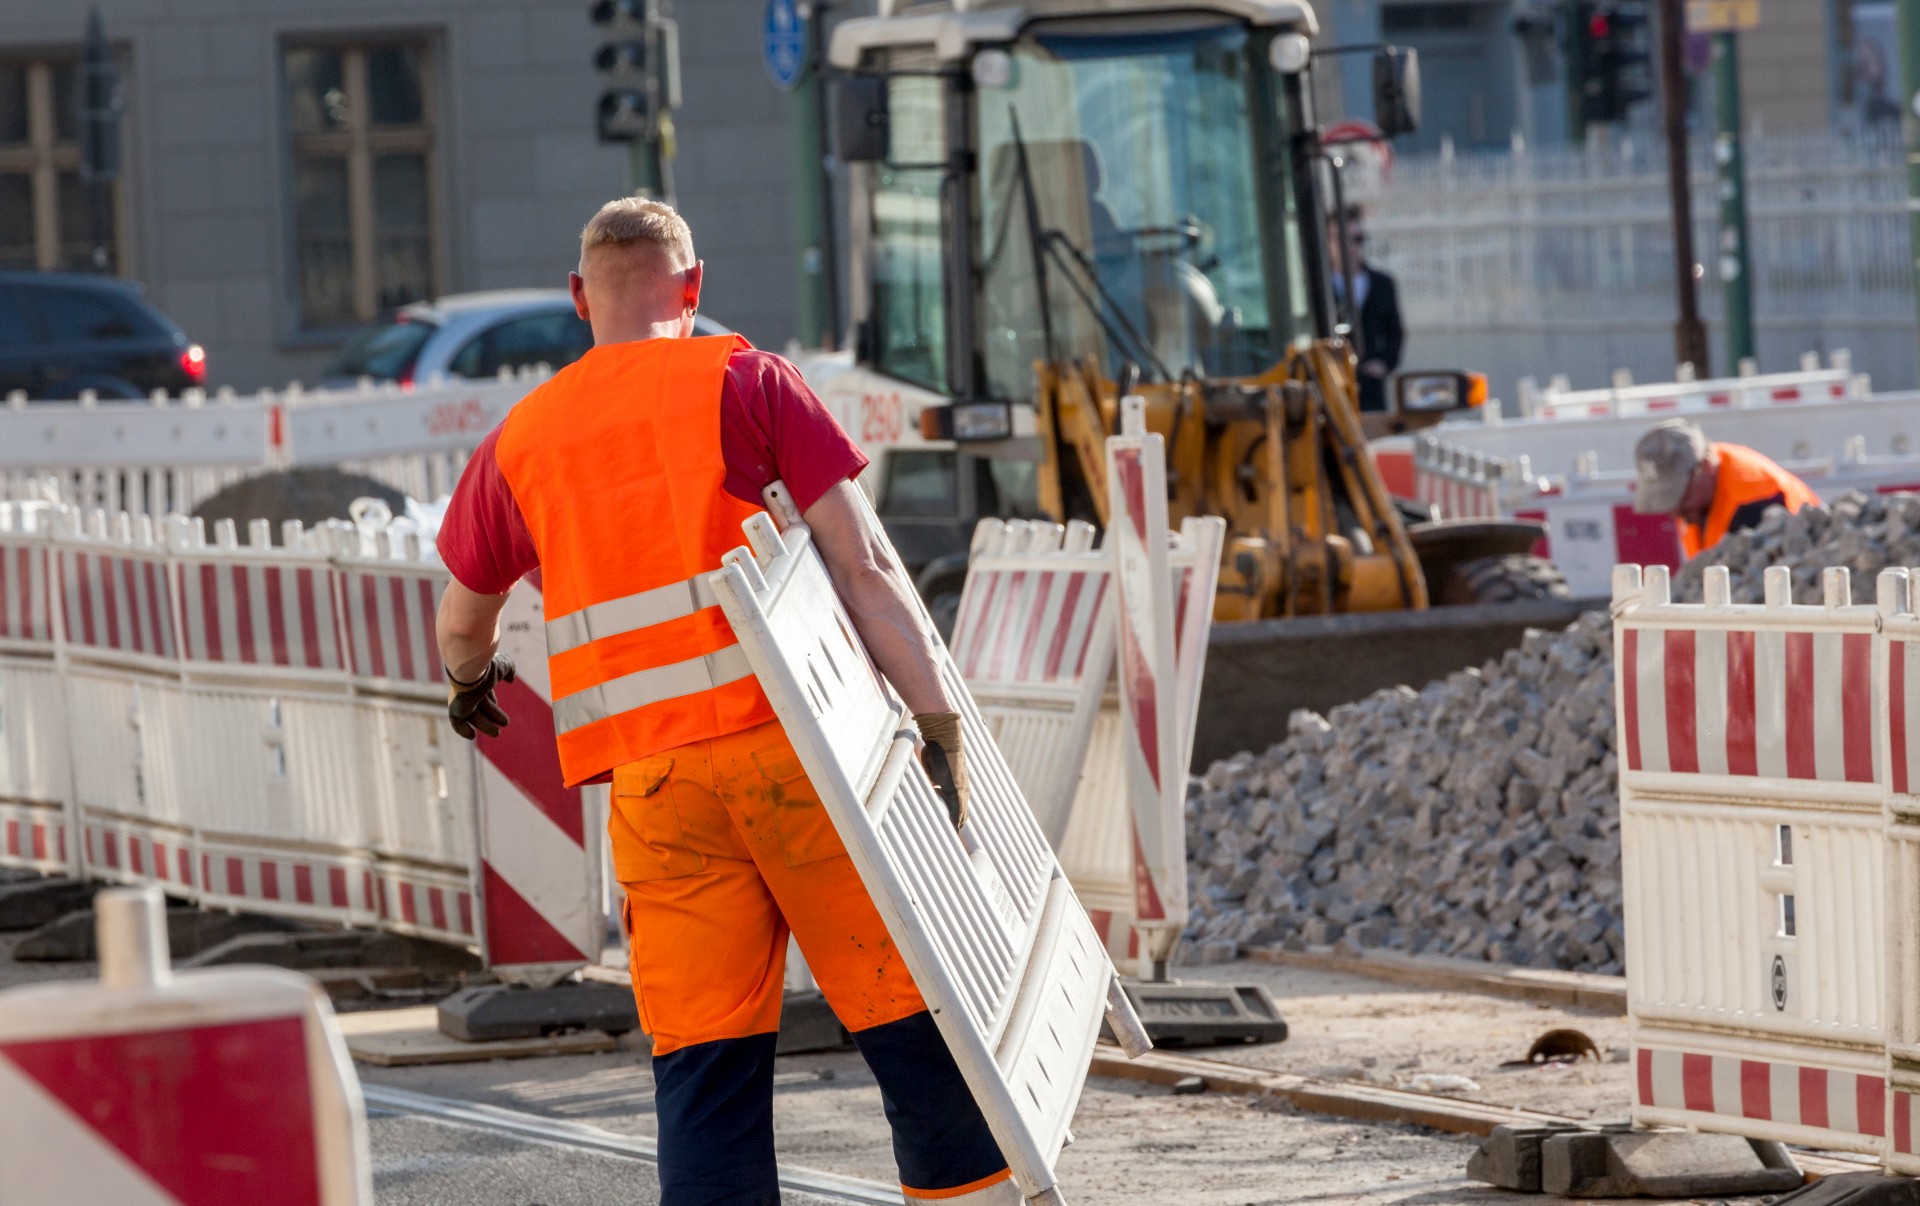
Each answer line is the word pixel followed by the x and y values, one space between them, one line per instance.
pixel 1886 425
pixel 151 1089
pixel 1034 640
pixel 1080 757
pixel 1812 385
pixel 262 726
pixel 985 919
pixel 1769 855
pixel 165 455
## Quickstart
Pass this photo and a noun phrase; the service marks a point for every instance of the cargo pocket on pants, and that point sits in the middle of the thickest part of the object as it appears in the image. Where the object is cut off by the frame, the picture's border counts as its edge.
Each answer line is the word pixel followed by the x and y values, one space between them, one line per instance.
pixel 806 832
pixel 645 825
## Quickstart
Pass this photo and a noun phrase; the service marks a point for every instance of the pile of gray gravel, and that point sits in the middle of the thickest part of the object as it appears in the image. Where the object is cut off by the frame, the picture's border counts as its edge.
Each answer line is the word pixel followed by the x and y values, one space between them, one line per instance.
pixel 1476 817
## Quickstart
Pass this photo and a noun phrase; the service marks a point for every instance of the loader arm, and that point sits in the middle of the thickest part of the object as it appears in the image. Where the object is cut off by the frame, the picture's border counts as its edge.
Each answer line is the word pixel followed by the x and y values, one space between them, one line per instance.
pixel 1311 527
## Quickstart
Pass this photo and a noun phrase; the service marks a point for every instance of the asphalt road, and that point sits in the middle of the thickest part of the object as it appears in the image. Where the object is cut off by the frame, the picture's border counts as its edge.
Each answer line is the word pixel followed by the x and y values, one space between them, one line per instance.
pixel 428 1161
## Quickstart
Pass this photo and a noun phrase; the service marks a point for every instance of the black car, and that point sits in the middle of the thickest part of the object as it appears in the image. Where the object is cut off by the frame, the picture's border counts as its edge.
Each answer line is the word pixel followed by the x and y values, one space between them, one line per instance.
pixel 61 333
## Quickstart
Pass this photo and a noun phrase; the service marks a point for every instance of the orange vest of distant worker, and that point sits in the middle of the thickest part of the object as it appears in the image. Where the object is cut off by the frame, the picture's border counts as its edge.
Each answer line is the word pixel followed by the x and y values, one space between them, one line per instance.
pixel 616 466
pixel 1746 477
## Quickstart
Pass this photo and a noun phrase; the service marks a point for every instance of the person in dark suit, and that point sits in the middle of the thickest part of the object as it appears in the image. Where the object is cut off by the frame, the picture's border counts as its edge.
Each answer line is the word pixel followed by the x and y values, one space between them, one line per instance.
pixel 1375 311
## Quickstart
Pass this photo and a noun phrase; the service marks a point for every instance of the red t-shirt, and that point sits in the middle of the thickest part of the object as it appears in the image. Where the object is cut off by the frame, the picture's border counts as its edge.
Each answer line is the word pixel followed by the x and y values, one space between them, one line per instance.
pixel 772 428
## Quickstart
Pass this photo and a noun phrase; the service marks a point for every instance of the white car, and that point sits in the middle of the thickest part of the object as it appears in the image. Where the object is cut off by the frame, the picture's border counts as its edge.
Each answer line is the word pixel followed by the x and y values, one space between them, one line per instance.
pixel 471 335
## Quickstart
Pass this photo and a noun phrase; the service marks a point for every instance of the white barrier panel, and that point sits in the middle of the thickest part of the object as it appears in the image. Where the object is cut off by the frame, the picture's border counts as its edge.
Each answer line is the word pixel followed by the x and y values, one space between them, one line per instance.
pixel 540 841
pixel 1098 849
pixel 1810 386
pixel 263 727
pixel 985 920
pixel 1884 425
pixel 1753 859
pixel 36 779
pixel 151 1089
pixel 164 456
pixel 1034 640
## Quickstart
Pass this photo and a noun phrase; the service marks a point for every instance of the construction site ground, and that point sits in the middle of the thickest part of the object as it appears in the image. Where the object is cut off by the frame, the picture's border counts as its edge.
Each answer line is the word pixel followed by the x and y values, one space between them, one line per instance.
pixel 471 1132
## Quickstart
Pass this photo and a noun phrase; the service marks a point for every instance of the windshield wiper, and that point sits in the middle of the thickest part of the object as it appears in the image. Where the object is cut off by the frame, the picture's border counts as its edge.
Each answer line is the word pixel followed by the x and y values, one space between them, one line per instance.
pixel 1047 242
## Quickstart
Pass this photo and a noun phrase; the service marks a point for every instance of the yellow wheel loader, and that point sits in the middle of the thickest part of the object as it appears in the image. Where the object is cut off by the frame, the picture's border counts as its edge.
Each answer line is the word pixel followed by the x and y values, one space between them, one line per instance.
pixel 1056 203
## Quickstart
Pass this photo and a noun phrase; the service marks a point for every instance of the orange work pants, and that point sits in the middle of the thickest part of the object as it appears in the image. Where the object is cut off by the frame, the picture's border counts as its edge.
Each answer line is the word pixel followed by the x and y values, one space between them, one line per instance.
pixel 722 845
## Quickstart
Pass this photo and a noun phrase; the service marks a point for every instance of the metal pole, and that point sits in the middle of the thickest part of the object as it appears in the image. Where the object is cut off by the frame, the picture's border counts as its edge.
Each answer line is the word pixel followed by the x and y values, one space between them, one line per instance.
pixel 1907 16
pixel 813 191
pixel 647 157
pixel 1689 334
pixel 1730 179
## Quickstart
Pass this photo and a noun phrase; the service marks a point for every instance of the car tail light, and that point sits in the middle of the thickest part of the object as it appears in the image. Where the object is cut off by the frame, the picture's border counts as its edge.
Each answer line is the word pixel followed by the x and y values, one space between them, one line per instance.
pixel 193 362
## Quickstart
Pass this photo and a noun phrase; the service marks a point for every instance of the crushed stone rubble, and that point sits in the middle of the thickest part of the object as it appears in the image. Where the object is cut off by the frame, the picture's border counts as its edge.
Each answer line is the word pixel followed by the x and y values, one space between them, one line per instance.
pixel 1478 816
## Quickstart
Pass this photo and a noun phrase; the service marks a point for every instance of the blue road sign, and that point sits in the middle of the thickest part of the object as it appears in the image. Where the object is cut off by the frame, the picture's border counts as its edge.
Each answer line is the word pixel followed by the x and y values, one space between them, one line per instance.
pixel 784 42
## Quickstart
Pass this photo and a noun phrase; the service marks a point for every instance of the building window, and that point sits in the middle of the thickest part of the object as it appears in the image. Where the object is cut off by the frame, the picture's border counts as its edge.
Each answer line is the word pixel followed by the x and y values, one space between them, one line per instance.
pixel 46 215
pixel 362 118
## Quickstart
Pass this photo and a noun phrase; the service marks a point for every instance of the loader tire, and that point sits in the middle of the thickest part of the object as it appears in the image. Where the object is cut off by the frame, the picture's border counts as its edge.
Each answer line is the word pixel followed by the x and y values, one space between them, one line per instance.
pixel 1516 578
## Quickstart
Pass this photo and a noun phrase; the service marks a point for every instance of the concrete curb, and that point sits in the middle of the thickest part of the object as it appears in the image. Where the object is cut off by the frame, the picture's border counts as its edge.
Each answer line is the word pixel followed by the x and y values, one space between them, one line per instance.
pixel 1584 990
pixel 1367 1102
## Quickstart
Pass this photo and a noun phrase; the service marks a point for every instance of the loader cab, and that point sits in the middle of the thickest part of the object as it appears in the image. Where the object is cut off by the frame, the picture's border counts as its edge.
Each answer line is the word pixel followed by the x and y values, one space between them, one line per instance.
pixel 1126 188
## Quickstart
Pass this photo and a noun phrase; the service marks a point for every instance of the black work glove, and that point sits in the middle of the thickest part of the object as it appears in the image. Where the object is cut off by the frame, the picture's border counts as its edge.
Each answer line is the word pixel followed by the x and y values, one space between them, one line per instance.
pixel 945 761
pixel 472 706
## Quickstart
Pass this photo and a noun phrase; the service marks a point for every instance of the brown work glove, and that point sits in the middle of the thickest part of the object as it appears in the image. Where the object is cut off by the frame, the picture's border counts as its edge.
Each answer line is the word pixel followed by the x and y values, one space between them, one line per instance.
pixel 945 760
pixel 471 706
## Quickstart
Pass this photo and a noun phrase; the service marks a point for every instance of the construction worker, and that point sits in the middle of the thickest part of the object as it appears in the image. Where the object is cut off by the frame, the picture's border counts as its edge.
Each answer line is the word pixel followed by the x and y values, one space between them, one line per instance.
pixel 623 480
pixel 1711 488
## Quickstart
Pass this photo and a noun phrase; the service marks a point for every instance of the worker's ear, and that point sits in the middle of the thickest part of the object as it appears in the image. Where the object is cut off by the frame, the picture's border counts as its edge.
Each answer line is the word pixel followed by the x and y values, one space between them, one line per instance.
pixel 577 285
pixel 690 299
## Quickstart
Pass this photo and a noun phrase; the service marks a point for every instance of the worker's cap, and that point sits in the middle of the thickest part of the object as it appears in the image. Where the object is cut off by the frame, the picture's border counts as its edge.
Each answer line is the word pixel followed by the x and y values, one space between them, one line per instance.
pixel 1664 461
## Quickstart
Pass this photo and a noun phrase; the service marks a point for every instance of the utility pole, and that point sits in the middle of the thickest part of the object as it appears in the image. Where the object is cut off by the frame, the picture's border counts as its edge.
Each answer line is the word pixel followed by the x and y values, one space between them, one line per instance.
pixel 1908 31
pixel 1689 334
pixel 813 187
pixel 101 105
pixel 1730 180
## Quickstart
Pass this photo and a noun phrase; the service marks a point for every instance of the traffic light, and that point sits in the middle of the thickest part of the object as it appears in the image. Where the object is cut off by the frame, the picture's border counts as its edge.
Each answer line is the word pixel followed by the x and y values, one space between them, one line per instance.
pixel 1611 47
pixel 636 62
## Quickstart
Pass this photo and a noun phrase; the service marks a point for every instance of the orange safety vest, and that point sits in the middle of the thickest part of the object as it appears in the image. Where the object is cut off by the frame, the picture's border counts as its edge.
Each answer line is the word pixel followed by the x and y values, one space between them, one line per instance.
pixel 616 465
pixel 1746 477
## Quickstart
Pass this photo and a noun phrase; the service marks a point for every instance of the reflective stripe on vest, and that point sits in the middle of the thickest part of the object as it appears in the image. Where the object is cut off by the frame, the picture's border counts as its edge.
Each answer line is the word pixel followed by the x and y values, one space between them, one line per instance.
pixel 629 614
pixel 643 687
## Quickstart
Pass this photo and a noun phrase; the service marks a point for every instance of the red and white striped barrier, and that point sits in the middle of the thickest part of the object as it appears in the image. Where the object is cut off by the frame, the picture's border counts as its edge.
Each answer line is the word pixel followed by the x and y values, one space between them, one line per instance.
pixel 1761 864
pixel 1774 1099
pixel 282 747
pixel 264 608
pixel 36 776
pixel 1156 777
pixel 1034 639
pixel 1812 385
pixel 1039 621
pixel 156 1089
pixel 1786 697
pixel 540 843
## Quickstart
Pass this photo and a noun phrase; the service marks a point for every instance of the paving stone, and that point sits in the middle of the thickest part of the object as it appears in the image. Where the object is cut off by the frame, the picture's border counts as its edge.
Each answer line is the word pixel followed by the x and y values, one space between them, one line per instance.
pixel 1662 1164
pixel 1510 1158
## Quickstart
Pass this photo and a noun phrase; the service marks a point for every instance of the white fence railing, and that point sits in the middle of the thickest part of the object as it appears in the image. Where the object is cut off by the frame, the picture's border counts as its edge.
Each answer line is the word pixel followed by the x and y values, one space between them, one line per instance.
pixel 166 455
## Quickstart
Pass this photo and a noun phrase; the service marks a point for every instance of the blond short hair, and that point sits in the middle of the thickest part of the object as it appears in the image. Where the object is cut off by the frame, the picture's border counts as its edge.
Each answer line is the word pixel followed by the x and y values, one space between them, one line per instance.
pixel 632 220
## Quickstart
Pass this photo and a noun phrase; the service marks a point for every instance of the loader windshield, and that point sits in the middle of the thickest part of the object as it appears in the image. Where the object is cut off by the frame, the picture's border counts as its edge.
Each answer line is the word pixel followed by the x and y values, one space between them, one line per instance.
pixel 1117 182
